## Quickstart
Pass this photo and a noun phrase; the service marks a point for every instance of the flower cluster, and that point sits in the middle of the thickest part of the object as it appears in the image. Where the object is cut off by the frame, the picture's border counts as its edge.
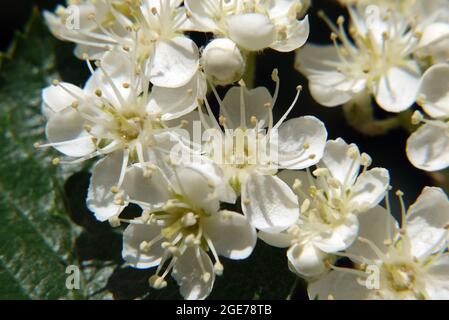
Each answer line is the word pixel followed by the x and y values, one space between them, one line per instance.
pixel 391 51
pixel 145 117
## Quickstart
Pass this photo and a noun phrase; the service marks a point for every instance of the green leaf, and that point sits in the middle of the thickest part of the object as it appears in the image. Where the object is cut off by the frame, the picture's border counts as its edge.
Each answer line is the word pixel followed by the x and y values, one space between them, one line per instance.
pixel 35 236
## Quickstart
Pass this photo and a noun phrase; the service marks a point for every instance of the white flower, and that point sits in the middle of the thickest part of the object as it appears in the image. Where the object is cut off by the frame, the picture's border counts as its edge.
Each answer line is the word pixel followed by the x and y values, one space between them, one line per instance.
pixel 151 30
pixel 109 117
pixel 407 263
pixel 430 19
pixel 252 149
pixel 428 147
pixel 223 62
pixel 182 225
pixel 253 25
pixel 331 203
pixel 377 61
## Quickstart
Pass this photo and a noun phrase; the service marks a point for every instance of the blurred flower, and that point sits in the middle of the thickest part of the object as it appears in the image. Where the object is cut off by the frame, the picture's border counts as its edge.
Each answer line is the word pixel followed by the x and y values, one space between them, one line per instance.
pixel 253 25
pixel 428 147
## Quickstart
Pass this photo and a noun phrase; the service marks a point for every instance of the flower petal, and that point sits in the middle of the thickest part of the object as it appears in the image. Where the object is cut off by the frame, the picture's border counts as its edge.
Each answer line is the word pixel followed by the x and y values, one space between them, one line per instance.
pixel 272 205
pixel 297 35
pixel 437 287
pixel 307 261
pixel 338 237
pixel 301 142
pixel 427 219
pixel 398 89
pixel 254 101
pixel 231 234
pixel 259 32
pixel 202 15
pixel 173 63
pixel 340 164
pixel 105 175
pixel 428 147
pixel 377 225
pixel 190 277
pixel 369 189
pixel 434 91
pixel 202 195
pixel 279 240
pixel 57 98
pixel 172 103
pixel 151 191
pixel 133 236
pixel 338 286
pixel 66 130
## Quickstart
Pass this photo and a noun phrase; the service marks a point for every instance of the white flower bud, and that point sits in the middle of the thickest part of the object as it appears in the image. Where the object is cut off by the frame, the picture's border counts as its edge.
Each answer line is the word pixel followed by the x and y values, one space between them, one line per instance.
pixel 223 61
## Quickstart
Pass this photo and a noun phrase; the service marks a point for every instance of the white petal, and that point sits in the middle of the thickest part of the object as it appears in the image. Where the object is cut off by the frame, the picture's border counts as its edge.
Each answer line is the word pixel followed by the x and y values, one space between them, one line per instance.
pixel 58 99
pixel 428 147
pixel 231 234
pixel 426 221
pixel 328 87
pixel 296 36
pixel 289 177
pixel 172 103
pixel 337 160
pixel 152 191
pixel 434 91
pixel 339 286
pixel 369 189
pixel 189 276
pixel 434 41
pixel 398 89
pixel 253 100
pixel 105 175
pixel 133 236
pixel 67 128
pixel 251 31
pixel 293 135
pixel 202 15
pixel 215 178
pixel 307 261
pixel 339 237
pixel 272 206
pixel 174 62
pixel 279 240
pixel 377 225
pixel 437 287
pixel 202 195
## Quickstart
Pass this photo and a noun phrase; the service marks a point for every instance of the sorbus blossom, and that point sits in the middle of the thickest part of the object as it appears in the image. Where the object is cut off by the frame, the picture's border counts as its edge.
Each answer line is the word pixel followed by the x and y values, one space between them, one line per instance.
pixel 331 203
pixel 108 118
pixel 252 148
pixel 182 227
pixel 377 58
pixel 151 29
pixel 253 25
pixel 410 262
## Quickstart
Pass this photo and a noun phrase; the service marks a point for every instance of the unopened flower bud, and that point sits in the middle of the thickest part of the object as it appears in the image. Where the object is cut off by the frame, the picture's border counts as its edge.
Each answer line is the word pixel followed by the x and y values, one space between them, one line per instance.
pixel 223 61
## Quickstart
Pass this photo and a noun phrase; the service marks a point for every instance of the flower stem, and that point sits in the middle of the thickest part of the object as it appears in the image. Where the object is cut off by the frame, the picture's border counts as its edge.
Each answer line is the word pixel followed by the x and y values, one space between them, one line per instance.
pixel 250 72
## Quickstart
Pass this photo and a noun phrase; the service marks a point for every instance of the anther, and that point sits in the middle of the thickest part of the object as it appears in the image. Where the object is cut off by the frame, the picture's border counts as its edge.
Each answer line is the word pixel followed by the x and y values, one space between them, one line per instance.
pixel 218 268
pixel 157 282
pixel 114 222
pixel 56 161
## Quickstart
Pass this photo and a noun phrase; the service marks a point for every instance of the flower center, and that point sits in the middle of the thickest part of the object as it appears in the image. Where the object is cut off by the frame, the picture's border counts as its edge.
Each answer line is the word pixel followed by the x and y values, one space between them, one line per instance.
pixel 401 277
